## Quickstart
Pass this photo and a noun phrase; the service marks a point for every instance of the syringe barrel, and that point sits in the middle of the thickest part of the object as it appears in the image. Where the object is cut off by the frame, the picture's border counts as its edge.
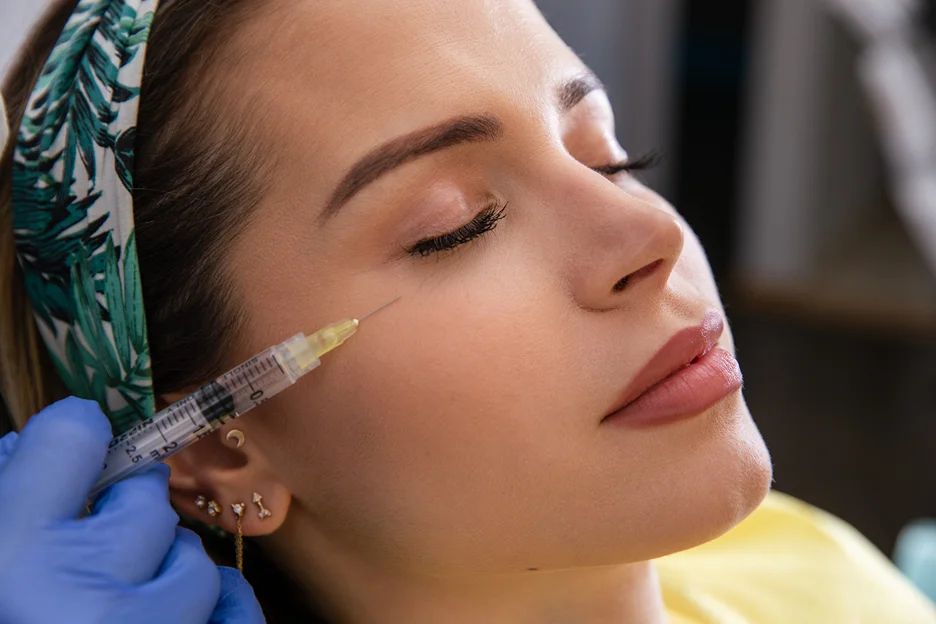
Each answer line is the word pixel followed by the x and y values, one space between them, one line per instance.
pixel 198 414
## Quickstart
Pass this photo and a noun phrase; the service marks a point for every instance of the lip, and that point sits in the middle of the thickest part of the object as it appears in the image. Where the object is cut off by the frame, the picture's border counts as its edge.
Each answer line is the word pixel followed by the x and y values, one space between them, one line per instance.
pixel 684 378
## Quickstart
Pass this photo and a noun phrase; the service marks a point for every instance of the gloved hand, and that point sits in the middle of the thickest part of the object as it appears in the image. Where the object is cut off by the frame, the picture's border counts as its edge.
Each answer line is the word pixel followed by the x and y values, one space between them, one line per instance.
pixel 237 604
pixel 126 562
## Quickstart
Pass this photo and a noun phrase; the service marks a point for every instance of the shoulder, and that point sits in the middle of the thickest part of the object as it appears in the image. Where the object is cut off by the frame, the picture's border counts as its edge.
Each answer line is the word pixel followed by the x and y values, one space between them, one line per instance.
pixel 789 562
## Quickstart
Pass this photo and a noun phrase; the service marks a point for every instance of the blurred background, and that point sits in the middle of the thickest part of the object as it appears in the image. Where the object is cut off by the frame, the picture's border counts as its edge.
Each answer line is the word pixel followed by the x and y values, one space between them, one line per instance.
pixel 799 142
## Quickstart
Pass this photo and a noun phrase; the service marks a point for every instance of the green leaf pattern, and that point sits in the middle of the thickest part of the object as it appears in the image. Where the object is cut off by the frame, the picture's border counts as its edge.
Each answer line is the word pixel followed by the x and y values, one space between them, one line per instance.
pixel 73 208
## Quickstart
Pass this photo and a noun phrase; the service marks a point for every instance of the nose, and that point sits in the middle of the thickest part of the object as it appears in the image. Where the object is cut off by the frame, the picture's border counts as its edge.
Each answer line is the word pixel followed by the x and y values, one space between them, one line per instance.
pixel 626 246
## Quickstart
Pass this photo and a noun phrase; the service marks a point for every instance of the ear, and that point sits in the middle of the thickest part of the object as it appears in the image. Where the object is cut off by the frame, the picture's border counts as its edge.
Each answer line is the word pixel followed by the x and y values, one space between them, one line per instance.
pixel 216 468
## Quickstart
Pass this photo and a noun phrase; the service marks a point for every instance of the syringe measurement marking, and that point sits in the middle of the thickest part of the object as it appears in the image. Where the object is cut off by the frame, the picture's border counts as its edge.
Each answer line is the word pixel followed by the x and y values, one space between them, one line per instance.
pixel 241 377
pixel 279 366
pixel 165 439
pixel 257 369
pixel 186 408
pixel 256 373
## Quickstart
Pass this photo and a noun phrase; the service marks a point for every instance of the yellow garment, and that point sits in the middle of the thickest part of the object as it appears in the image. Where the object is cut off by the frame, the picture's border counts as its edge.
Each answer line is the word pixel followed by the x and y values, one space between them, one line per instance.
pixel 789 563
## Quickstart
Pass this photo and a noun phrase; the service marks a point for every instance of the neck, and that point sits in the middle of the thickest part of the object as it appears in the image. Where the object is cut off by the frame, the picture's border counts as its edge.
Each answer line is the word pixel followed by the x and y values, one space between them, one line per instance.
pixel 350 588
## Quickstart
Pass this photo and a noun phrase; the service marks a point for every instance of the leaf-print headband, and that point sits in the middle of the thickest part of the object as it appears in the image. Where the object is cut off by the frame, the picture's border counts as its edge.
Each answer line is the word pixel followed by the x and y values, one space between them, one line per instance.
pixel 73 207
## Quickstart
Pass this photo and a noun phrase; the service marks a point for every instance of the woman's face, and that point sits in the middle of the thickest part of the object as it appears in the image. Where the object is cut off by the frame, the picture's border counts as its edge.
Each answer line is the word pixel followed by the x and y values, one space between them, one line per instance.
pixel 462 428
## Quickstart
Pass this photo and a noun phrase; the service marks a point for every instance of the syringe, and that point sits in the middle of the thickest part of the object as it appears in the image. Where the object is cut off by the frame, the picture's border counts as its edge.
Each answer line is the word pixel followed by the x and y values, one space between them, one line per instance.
pixel 227 397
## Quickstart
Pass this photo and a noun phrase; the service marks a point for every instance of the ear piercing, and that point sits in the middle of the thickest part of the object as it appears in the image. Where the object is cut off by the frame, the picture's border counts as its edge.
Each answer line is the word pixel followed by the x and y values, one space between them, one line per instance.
pixel 238 509
pixel 212 507
pixel 264 512
pixel 237 436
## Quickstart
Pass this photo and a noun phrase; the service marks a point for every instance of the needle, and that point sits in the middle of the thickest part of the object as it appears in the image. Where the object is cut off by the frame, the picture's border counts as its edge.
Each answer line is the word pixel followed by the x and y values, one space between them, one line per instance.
pixel 379 309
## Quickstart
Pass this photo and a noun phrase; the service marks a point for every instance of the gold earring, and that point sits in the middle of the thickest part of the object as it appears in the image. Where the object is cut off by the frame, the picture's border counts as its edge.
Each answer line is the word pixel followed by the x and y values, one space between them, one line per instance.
pixel 264 512
pixel 213 508
pixel 238 509
pixel 237 435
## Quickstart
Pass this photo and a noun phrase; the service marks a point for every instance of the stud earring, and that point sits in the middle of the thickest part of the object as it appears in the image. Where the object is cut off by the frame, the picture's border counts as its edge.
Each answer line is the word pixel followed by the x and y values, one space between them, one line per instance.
pixel 201 502
pixel 237 436
pixel 264 512
pixel 213 508
pixel 238 509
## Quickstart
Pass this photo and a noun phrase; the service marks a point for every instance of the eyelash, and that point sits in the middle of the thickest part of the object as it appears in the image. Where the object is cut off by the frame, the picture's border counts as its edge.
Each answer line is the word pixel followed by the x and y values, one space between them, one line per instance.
pixel 487 219
pixel 646 161
pixel 484 222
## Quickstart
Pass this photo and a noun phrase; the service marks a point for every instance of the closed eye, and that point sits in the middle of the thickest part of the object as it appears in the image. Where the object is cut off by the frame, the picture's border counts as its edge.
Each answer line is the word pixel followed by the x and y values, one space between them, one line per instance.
pixel 647 161
pixel 484 222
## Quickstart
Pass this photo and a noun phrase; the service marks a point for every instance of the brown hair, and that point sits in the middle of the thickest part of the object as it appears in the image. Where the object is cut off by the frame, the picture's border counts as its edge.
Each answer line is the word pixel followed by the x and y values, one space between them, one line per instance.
pixel 197 180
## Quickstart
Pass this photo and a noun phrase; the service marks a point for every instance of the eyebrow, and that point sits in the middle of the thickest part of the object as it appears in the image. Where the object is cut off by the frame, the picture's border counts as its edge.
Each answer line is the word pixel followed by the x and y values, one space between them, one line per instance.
pixel 456 131
pixel 574 90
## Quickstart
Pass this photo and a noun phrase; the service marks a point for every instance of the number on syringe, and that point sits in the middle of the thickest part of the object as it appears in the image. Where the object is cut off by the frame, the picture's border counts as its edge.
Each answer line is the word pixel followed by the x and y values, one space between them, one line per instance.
pixel 130 450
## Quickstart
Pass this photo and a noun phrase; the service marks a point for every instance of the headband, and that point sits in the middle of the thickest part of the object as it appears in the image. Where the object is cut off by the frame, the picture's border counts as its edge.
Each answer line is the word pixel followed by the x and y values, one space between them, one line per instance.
pixel 73 207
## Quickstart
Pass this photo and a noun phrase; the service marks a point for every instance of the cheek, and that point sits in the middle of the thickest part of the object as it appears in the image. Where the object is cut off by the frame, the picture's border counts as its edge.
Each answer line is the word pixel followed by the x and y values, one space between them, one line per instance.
pixel 693 266
pixel 449 388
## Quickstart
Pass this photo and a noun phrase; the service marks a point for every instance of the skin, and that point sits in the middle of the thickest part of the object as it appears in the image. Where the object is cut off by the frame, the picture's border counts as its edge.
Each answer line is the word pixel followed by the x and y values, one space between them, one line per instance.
pixel 456 442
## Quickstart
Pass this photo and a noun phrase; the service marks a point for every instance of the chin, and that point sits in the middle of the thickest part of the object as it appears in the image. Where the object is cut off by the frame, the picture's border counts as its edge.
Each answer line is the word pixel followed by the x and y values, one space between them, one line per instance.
pixel 723 474
pixel 735 480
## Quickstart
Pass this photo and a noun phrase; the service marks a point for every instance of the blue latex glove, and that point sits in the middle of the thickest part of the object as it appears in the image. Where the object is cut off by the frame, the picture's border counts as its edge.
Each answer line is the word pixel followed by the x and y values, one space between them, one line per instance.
pixel 237 604
pixel 126 562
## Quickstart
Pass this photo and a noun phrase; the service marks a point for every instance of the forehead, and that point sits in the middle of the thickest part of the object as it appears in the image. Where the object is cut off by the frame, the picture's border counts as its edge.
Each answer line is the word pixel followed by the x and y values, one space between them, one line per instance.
pixel 345 76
